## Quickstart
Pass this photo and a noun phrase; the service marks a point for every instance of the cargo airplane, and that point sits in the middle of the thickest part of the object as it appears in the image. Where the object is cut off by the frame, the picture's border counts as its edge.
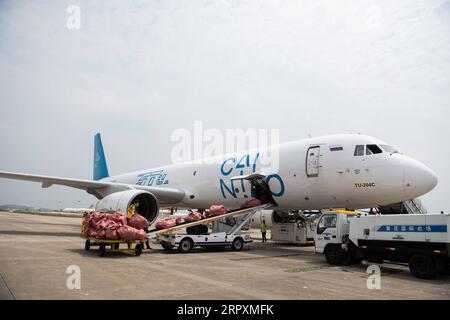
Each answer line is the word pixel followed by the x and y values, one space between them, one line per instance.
pixel 337 171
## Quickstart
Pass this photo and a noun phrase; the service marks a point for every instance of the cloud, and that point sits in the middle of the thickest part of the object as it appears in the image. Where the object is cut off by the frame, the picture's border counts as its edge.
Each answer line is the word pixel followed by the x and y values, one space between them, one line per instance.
pixel 137 71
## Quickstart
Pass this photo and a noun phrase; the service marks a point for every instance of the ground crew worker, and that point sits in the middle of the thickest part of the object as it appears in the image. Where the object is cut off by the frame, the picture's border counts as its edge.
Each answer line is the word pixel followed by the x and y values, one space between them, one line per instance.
pixel 264 231
pixel 147 244
pixel 132 210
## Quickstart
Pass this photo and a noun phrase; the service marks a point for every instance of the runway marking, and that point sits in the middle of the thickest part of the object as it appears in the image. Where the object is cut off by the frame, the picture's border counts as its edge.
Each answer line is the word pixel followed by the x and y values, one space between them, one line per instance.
pixel 7 287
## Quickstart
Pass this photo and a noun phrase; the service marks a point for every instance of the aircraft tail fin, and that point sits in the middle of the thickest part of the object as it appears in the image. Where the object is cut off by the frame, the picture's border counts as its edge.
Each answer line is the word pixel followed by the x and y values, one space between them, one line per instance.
pixel 100 166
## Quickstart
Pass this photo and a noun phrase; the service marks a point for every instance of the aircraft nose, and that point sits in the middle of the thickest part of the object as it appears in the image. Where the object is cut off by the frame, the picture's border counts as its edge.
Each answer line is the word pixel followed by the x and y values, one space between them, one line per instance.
pixel 419 179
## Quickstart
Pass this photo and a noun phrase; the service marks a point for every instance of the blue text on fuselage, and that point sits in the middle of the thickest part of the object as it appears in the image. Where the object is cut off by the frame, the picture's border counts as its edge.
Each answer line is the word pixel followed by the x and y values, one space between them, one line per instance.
pixel 239 166
pixel 152 178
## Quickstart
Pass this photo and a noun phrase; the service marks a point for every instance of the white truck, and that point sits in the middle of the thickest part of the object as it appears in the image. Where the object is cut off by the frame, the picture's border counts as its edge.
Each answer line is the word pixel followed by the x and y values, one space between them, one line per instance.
pixel 186 242
pixel 226 232
pixel 421 240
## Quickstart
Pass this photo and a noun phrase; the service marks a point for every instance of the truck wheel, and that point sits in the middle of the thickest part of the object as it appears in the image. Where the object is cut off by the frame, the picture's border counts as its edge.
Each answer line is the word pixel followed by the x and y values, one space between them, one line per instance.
pixel 237 244
pixel 422 266
pixel 185 245
pixel 167 247
pixel 334 255
pixel 87 245
pixel 138 249
pixel 102 250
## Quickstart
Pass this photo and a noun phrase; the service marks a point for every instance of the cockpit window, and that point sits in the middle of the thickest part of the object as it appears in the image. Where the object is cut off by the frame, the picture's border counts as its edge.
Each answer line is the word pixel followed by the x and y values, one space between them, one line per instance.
pixel 373 149
pixel 326 221
pixel 359 150
pixel 388 149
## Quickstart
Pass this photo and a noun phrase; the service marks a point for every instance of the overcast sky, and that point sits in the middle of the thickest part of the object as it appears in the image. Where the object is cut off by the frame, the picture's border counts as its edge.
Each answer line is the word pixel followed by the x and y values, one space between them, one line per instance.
pixel 138 70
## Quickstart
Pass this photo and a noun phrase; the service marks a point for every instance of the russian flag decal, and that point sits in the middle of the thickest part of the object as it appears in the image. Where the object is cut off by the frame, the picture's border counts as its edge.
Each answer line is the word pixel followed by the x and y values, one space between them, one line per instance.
pixel 336 148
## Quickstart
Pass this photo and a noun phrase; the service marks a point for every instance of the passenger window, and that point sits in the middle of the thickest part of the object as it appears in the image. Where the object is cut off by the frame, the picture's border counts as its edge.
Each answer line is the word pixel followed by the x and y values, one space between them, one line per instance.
pixel 327 221
pixel 359 150
pixel 373 149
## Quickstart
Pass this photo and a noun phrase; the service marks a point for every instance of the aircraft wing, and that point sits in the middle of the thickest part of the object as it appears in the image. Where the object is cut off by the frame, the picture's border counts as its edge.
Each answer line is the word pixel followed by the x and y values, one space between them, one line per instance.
pixel 97 188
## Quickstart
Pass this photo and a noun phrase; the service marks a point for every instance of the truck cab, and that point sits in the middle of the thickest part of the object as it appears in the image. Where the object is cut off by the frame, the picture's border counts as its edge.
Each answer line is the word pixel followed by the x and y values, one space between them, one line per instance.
pixel 332 231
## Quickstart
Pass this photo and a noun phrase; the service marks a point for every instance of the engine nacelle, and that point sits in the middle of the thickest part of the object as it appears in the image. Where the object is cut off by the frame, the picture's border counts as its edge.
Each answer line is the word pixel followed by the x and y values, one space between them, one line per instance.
pixel 122 200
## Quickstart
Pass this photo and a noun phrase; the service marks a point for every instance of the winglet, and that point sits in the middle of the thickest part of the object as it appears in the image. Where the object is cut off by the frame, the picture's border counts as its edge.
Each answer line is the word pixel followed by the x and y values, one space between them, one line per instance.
pixel 100 167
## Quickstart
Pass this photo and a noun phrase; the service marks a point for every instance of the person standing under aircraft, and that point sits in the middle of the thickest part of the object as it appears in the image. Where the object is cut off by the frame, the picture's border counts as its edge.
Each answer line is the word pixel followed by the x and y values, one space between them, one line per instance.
pixel 264 231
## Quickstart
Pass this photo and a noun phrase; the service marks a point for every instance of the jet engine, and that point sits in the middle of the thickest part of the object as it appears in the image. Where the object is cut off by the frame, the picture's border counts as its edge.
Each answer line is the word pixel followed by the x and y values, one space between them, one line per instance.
pixel 147 203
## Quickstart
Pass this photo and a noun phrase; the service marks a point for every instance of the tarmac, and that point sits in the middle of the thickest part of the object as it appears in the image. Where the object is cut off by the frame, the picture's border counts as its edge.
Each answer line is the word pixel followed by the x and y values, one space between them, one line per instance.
pixel 39 253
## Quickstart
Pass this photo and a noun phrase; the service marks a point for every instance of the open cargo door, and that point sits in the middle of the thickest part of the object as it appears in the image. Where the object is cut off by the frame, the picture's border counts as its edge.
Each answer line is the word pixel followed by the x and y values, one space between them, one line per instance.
pixel 260 188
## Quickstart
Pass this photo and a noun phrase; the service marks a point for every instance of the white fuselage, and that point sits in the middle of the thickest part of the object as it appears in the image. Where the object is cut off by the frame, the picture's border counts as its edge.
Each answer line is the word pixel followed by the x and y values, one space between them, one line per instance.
pixel 313 173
